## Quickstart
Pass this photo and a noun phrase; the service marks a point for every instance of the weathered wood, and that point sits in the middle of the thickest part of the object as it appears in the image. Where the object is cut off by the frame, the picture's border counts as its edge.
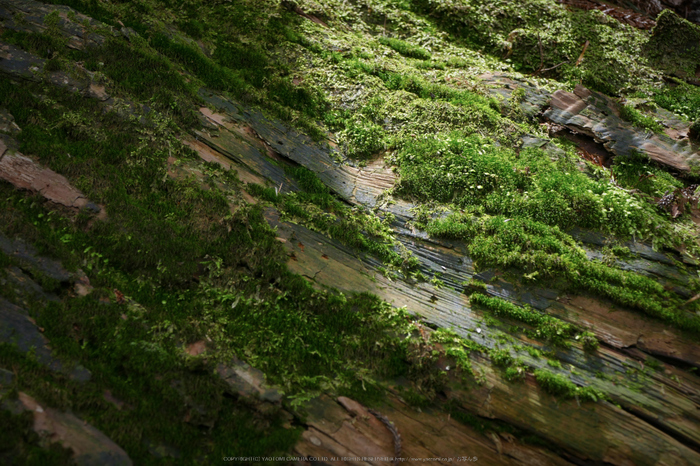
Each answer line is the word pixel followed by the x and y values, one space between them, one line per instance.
pixel 345 428
pixel 29 16
pixel 596 432
pixel 89 446
pixel 649 402
pixel 25 173
pixel 597 116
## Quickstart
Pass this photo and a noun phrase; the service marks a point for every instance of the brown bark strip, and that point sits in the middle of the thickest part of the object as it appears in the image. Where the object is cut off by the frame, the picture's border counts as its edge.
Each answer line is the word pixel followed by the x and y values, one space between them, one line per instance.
pixel 580 58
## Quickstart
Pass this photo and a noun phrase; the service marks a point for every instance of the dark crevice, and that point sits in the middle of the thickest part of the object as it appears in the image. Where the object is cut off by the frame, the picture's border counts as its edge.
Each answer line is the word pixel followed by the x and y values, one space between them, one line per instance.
pixel 587 147
pixel 683 365
pixel 690 443
pixel 582 462
pixel 429 324
pixel 641 355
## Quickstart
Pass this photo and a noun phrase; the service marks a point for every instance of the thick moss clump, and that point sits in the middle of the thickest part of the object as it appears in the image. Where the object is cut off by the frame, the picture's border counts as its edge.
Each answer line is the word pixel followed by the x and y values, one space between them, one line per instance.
pixel 674 45
pixel 682 99
pixel 405 49
pixel 640 120
pixel 543 34
pixel 695 130
pixel 560 386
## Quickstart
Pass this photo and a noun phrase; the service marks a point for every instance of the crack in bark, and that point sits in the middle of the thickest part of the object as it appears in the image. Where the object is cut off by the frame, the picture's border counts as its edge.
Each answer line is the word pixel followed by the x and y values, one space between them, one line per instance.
pixel 678 436
pixel 394 431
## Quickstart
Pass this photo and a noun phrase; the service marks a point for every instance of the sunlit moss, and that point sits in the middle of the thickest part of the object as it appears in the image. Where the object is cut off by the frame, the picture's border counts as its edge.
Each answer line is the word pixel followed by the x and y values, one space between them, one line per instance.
pixel 560 386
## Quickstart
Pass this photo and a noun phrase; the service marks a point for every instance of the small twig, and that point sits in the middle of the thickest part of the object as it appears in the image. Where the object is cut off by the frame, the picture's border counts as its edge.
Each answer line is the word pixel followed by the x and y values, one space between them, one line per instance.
pixel 539 41
pixel 555 66
pixel 580 58
pixel 694 298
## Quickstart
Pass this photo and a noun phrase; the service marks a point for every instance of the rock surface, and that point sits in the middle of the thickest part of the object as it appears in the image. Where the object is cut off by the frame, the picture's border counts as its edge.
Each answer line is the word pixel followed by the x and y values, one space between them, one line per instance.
pixel 25 173
pixel 27 256
pixel 30 16
pixel 598 433
pixel 26 291
pixel 90 447
pixel 17 328
pixel 247 381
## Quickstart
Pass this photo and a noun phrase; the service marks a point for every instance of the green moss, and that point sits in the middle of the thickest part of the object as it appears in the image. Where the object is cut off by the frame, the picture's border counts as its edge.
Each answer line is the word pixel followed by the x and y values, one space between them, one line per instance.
pixel 153 410
pixel 127 348
pixel 92 9
pixel 317 208
pixel 149 65
pixel 546 327
pixel 554 363
pixel 654 364
pixel 430 65
pixel 457 347
pixel 589 341
pixel 534 352
pixel 674 45
pixel 363 139
pixel 405 49
pixel 209 71
pixel 469 171
pixel 473 285
pixel 139 71
pixel 45 45
pixel 437 283
pixel 640 120
pixel 51 20
pixel 5 260
pixel 166 228
pixel 622 252
pixel 560 386
pixel 680 98
pixel 262 192
pixel 200 272
pixel 515 373
pixel 501 358
pixel 192 28
pixel 514 29
pixel 415 398
pixel 534 247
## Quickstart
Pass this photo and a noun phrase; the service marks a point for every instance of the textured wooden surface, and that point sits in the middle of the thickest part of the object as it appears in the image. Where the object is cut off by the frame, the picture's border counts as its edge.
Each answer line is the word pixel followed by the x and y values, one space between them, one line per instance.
pixel 656 419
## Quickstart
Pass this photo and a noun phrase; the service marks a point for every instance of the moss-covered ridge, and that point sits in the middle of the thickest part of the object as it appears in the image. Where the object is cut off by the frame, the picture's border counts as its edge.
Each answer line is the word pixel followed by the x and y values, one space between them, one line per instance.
pixel 542 34
pixel 215 277
pixel 439 300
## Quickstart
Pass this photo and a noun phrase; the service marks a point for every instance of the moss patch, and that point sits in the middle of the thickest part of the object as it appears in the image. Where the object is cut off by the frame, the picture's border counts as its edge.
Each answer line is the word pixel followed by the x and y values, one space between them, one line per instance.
pixel 560 386
pixel 674 45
